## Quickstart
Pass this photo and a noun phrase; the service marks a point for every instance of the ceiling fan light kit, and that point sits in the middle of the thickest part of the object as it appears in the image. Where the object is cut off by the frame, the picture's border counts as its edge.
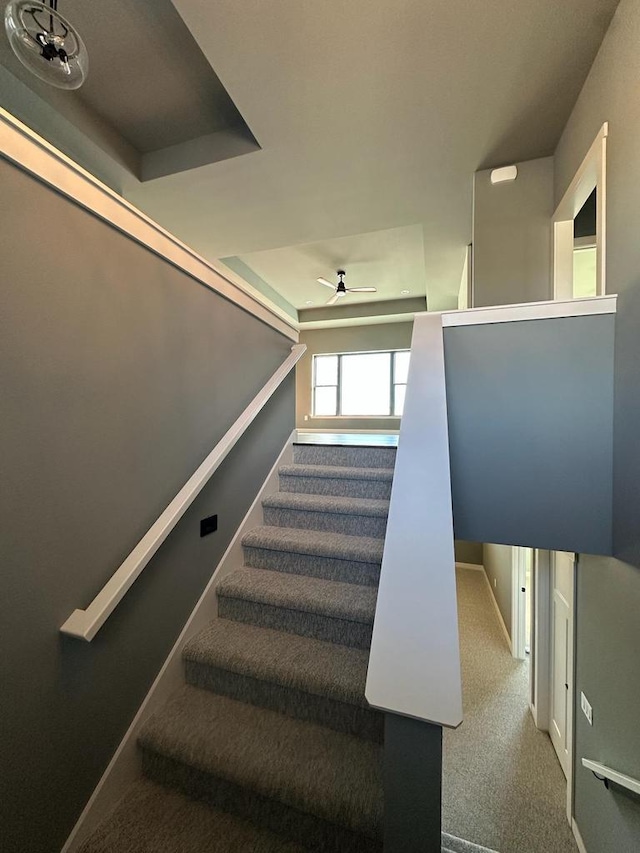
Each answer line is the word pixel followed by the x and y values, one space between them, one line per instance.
pixel 46 43
pixel 340 289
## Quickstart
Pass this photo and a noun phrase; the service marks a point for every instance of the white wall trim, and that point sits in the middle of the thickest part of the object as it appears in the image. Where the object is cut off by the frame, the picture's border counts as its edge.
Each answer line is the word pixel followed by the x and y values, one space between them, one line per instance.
pixel 472 567
pixel 592 174
pixel 576 834
pixel 519 557
pixel 530 311
pixel 124 767
pixel 33 154
pixel 571 716
pixel 497 610
pixel 541 639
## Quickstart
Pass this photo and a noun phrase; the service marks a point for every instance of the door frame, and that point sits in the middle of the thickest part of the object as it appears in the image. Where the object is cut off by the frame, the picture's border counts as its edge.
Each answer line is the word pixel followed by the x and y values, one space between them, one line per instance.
pixel 541 640
pixel 591 175
pixel 541 649
pixel 519 557
pixel 465 294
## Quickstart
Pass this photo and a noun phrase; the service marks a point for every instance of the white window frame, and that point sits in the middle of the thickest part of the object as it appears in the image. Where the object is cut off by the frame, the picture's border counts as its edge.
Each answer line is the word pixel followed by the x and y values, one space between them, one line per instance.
pixel 392 383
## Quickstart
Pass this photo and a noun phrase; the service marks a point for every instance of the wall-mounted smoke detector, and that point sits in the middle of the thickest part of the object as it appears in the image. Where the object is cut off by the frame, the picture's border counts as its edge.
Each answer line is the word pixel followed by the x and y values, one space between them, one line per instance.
pixel 504 175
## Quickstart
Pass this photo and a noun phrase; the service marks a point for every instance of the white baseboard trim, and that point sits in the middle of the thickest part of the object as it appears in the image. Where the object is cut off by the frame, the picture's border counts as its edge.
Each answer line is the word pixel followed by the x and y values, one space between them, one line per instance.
pixel 124 767
pixel 497 610
pixel 576 834
pixel 474 567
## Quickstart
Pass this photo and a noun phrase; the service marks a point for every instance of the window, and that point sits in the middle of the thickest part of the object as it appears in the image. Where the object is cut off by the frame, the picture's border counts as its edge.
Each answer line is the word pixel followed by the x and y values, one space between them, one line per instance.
pixel 369 384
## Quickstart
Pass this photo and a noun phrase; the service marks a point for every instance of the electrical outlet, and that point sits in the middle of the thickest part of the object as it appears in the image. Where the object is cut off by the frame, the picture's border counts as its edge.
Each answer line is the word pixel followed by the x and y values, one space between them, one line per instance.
pixel 208 525
pixel 587 710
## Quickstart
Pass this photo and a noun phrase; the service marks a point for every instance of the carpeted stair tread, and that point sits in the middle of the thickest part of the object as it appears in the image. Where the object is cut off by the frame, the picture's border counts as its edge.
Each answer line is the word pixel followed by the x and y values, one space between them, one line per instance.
pixel 339 480
pixel 344 455
pixel 318 543
pixel 327 504
pixel 337 472
pixel 307 767
pixel 344 601
pixel 322 669
pixel 153 819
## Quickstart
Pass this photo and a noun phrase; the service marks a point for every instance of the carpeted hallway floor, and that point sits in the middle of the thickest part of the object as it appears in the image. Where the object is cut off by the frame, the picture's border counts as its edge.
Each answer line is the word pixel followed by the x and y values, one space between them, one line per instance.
pixel 502 784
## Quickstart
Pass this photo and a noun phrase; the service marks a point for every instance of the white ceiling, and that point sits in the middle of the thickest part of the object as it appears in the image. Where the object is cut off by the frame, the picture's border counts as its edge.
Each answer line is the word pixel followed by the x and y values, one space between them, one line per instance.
pixel 391 261
pixel 372 116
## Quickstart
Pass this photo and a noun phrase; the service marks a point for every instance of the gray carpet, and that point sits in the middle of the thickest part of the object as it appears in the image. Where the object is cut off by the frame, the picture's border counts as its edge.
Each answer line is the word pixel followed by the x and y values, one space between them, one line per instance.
pixel 502 784
pixel 270 745
pixel 155 819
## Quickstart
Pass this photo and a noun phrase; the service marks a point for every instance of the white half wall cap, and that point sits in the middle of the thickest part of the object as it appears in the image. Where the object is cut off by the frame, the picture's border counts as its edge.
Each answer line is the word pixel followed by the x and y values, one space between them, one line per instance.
pixel 507 173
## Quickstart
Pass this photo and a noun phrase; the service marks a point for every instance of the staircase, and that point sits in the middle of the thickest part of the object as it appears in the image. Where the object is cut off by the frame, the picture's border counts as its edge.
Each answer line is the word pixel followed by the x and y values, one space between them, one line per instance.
pixel 270 744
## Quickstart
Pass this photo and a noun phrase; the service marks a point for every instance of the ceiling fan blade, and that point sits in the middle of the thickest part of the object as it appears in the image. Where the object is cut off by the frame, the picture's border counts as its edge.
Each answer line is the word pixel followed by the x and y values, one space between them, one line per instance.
pixel 362 289
pixel 326 283
pixel 333 299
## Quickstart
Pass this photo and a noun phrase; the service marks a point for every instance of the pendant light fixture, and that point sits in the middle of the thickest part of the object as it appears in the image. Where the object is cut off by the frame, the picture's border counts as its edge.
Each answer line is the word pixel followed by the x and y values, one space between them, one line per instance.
pixel 46 43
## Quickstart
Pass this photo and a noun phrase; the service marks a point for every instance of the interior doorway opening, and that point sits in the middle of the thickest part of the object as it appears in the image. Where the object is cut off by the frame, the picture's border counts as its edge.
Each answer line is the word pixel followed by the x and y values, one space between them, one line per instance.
pixel 579 238
pixel 585 272
pixel 499 730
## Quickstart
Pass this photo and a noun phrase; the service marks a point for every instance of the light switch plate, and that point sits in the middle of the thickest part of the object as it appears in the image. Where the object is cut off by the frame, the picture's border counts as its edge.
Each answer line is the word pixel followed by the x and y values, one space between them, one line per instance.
pixel 587 710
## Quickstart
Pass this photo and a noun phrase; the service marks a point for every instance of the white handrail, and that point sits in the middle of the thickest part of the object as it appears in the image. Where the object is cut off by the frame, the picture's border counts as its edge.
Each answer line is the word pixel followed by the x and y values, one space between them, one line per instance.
pixel 414 664
pixel 603 772
pixel 85 624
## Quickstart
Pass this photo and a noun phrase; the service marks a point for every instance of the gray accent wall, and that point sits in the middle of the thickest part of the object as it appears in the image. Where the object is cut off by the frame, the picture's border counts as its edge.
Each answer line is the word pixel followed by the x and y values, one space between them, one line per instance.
pixel 608 621
pixel 512 235
pixel 607 671
pixel 530 409
pixel 608 590
pixel 119 373
pixel 348 339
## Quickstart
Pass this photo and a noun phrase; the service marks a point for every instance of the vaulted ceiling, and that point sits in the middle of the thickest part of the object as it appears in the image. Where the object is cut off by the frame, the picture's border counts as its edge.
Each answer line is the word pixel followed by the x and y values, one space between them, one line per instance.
pixel 370 119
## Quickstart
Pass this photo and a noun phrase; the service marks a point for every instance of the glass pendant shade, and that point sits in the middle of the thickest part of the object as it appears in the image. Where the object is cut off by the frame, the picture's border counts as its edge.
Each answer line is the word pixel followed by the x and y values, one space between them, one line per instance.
pixel 46 43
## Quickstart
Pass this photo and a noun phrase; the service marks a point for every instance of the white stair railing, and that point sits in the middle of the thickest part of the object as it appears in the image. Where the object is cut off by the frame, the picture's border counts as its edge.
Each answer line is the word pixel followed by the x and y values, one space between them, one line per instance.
pixel 85 624
pixel 414 665
pixel 608 774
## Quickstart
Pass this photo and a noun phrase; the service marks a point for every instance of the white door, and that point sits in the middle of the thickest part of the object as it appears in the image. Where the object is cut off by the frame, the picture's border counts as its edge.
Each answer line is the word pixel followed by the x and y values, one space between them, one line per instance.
pixel 562 577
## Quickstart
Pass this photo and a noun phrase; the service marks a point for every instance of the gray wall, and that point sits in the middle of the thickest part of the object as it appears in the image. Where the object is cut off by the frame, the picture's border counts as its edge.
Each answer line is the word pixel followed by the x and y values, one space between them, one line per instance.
pixel 498 566
pixel 469 552
pixel 530 409
pixel 610 94
pixel 118 375
pixel 512 235
pixel 64 120
pixel 608 593
pixel 608 621
pixel 347 339
pixel 607 671
pixel 511 264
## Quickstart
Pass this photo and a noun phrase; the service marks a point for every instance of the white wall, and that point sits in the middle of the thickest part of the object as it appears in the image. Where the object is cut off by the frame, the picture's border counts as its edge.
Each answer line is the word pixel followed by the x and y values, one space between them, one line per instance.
pixel 512 235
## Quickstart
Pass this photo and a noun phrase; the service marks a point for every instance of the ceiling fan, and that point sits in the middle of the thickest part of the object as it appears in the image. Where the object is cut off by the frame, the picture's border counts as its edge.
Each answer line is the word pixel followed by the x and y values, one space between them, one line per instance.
pixel 341 290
